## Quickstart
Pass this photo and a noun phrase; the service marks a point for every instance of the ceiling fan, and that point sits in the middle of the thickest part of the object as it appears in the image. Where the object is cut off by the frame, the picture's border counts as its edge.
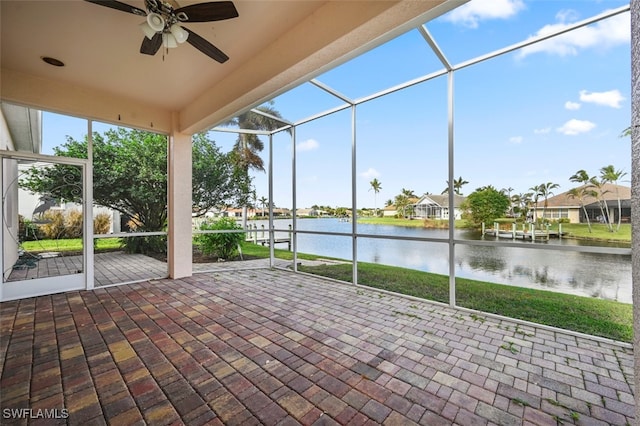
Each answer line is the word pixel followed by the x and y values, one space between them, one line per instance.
pixel 162 25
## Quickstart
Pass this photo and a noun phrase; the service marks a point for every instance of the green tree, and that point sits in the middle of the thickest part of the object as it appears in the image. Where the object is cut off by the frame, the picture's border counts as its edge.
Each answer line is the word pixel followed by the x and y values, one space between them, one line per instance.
pixel 457 186
pixel 376 186
pixel 401 202
pixel 583 191
pixel 599 191
pixel 216 182
pixel 536 192
pixel 545 192
pixel 408 193
pixel 264 202
pixel 248 146
pixel 485 204
pixel 508 192
pixel 520 204
pixel 341 211
pixel 609 174
pixel 130 176
pixel 580 193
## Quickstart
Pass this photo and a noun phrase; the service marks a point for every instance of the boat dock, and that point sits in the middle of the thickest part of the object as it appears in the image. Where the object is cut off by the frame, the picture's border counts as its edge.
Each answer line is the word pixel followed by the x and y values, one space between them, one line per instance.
pixel 263 239
pixel 531 234
pixel 267 241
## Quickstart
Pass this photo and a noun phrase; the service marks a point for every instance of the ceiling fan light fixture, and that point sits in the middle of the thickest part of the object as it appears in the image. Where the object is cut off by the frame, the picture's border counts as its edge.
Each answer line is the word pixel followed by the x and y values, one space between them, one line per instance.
pixel 179 33
pixel 155 21
pixel 147 30
pixel 169 41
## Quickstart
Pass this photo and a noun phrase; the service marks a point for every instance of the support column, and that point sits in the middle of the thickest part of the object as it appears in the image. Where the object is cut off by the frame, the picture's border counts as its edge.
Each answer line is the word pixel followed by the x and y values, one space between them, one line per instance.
pixel 179 243
pixel 635 192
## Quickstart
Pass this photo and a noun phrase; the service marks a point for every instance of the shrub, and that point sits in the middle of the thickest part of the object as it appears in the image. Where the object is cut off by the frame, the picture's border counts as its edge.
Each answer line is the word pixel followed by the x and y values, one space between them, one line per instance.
pixel 224 245
pixel 27 230
pixel 101 223
pixel 73 224
pixel 62 224
pixel 52 227
pixel 153 244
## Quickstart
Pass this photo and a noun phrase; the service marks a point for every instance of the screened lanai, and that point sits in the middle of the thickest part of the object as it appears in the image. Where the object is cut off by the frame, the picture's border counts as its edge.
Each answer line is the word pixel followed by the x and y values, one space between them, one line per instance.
pixel 399 115
pixel 434 126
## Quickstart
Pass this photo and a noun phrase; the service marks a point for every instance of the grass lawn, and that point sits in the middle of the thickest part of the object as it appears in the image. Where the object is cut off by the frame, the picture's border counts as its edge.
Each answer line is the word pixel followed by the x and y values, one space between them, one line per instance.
pixel 596 317
pixel 71 244
pixel 258 250
pixel 599 231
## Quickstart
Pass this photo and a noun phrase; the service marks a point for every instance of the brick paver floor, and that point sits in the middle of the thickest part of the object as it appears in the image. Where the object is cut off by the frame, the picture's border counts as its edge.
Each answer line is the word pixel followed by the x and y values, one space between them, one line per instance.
pixel 273 347
pixel 110 268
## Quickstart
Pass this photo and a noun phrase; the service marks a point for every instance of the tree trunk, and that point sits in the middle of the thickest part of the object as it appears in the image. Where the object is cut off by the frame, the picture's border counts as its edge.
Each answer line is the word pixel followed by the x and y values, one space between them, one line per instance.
pixel 586 215
pixel 619 213
pixel 245 210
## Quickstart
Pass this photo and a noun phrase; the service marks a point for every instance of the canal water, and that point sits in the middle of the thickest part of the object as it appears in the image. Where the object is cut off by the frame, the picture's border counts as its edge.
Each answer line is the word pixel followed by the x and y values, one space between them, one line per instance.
pixel 605 276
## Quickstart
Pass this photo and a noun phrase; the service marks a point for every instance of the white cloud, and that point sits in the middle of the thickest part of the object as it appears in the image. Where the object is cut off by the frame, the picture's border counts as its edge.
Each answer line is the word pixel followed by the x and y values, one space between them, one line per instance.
pixel 516 139
pixel 575 127
pixel 308 145
pixel 542 131
pixel 572 105
pixel 603 34
pixel 612 98
pixel 567 15
pixel 370 173
pixel 470 14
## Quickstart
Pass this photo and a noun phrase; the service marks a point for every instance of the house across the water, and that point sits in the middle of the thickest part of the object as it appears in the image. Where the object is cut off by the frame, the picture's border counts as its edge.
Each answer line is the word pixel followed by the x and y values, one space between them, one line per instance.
pixel 566 206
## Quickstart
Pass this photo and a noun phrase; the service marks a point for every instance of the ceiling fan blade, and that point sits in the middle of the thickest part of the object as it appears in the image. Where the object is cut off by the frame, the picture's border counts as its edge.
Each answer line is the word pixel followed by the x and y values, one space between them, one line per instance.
pixel 113 4
pixel 207 12
pixel 205 47
pixel 151 47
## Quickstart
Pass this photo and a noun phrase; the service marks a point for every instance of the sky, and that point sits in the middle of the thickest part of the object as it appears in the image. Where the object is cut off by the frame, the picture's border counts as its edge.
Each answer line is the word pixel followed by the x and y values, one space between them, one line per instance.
pixel 528 117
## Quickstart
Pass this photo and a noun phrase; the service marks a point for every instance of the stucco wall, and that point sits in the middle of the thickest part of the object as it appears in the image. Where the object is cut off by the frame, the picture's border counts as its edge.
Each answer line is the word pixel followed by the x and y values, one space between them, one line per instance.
pixel 8 202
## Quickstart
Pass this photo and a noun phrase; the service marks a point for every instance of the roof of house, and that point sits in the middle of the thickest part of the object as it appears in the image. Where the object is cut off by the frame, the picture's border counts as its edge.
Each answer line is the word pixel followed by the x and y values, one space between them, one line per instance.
pixel 441 200
pixel 610 192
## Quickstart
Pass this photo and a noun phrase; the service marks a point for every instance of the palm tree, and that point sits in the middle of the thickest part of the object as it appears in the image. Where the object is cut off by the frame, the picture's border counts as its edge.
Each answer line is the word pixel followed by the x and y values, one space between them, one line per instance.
pixel 580 193
pixel 598 192
pixel 545 191
pixel 401 202
pixel 263 202
pixel 248 146
pixel 507 192
pixel 610 174
pixel 457 186
pixel 520 203
pixel 583 178
pixel 535 194
pixel 376 186
pixel 408 193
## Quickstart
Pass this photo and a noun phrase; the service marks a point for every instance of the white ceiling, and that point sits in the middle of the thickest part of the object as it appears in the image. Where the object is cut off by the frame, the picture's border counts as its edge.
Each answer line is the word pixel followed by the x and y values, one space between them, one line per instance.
pixel 272 46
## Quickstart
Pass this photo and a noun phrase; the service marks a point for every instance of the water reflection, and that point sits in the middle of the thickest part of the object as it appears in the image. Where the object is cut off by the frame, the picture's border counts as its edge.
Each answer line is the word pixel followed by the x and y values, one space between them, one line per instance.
pixel 587 274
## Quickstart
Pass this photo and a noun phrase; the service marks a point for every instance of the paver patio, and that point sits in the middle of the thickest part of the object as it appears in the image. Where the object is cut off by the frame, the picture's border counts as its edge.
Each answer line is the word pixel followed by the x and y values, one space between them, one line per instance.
pixel 273 347
pixel 110 268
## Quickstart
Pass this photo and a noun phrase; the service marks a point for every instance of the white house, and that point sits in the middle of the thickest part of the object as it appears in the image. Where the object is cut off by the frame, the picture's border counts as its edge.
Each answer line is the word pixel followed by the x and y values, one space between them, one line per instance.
pixel 431 206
